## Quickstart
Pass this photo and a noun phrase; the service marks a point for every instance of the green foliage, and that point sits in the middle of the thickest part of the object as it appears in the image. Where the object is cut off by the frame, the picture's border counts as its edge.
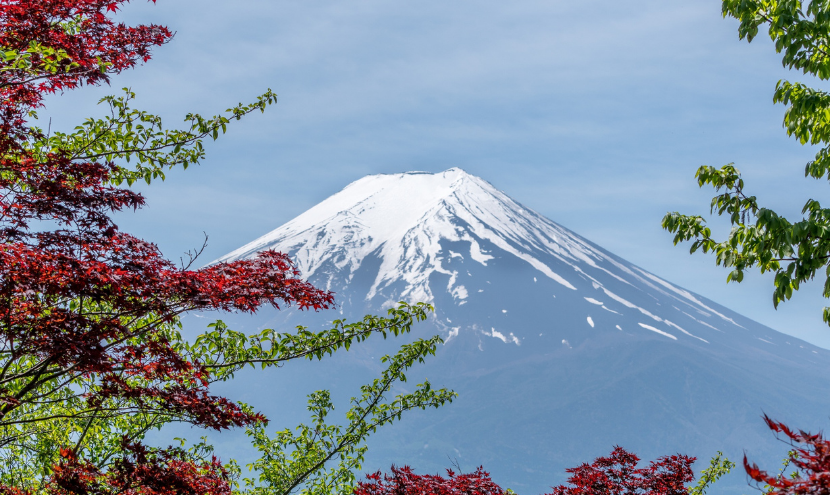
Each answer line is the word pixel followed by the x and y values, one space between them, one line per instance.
pixel 296 461
pixel 224 351
pixel 760 238
pixel 782 473
pixel 718 466
pixel 48 60
pixel 128 134
pixel 800 33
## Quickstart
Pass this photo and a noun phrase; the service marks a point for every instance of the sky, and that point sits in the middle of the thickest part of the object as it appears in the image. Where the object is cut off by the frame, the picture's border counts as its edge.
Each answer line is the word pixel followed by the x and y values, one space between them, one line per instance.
pixel 594 113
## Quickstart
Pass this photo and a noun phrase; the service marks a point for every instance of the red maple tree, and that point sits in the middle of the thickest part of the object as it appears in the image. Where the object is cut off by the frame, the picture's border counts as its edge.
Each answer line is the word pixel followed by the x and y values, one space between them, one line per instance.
pixel 810 456
pixel 83 306
pixel 403 481
pixel 616 474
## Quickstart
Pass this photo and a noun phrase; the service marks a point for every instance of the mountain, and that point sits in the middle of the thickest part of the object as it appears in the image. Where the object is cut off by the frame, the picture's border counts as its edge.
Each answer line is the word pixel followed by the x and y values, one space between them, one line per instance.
pixel 559 349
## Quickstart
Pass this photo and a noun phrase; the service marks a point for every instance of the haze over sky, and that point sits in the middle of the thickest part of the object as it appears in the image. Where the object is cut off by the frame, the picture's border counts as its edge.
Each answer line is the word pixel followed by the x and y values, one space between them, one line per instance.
pixel 594 113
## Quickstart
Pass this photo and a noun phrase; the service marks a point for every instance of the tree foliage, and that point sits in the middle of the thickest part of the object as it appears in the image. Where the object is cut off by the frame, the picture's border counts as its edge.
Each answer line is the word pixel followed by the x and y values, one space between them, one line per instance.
pixel 809 458
pixel 794 250
pixel 91 357
pixel 404 481
pixel 293 459
pixel 718 466
pixel 616 474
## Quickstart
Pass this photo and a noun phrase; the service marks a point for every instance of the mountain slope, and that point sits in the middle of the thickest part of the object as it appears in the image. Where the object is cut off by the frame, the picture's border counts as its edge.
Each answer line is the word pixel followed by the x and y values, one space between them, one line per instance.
pixel 558 348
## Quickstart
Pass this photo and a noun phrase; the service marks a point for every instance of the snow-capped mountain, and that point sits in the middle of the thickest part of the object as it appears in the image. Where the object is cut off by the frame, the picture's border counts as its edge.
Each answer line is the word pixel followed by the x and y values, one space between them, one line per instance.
pixel 559 349
pixel 406 225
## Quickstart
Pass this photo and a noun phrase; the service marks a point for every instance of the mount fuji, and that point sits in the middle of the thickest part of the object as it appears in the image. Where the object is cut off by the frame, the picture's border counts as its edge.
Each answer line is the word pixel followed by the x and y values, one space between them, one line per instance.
pixel 559 350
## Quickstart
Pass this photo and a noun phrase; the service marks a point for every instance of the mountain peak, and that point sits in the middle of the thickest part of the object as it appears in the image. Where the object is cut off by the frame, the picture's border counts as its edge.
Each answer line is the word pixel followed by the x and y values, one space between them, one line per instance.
pixel 377 205
pixel 368 213
pixel 402 218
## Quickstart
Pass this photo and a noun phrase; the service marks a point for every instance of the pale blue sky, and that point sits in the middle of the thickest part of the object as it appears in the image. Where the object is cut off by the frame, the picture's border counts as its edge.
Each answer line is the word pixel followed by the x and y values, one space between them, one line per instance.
pixel 594 113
